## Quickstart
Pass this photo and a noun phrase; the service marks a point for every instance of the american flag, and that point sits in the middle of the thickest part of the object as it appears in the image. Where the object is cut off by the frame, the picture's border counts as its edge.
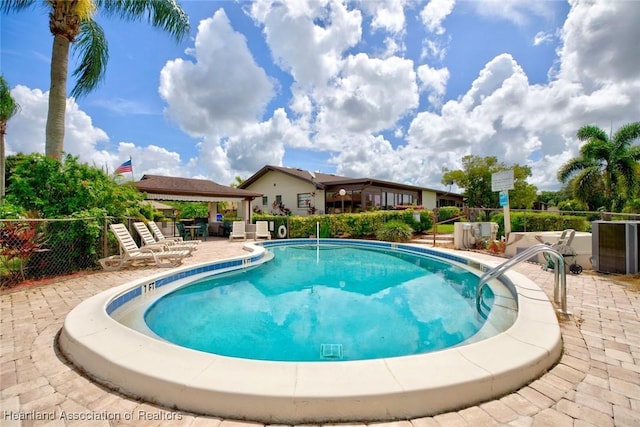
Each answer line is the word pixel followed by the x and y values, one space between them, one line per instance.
pixel 125 167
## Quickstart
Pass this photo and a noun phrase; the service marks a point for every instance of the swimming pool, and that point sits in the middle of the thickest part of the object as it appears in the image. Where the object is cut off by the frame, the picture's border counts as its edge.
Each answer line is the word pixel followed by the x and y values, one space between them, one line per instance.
pixel 326 302
pixel 296 392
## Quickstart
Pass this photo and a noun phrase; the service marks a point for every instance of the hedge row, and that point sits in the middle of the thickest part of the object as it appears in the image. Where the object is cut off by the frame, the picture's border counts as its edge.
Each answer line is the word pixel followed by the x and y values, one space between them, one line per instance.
pixel 526 221
pixel 359 225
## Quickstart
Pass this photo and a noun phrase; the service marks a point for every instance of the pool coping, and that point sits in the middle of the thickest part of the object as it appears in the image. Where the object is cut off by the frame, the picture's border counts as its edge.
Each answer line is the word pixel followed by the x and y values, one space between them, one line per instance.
pixel 301 392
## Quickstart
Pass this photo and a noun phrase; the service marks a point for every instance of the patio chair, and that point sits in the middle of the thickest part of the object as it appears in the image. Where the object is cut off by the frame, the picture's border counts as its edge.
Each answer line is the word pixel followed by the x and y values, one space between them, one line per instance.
pixel 203 230
pixel 237 231
pixel 157 233
pixel 130 253
pixel 262 230
pixel 148 240
pixel 183 232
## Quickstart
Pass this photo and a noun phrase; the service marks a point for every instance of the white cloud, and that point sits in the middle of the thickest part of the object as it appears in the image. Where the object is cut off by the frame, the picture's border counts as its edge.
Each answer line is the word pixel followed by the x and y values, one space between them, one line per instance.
pixel 517 11
pixel 263 143
pixel 26 130
pixel 150 159
pixel 126 107
pixel 541 38
pixel 223 89
pixel 434 49
pixel 601 42
pixel 26 134
pixel 388 15
pixel 434 81
pixel 307 38
pixel 371 94
pixel 434 13
pixel 502 114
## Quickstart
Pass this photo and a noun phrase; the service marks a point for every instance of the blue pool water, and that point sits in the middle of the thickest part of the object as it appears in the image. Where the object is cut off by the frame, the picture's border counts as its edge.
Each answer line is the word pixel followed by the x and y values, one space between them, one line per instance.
pixel 326 303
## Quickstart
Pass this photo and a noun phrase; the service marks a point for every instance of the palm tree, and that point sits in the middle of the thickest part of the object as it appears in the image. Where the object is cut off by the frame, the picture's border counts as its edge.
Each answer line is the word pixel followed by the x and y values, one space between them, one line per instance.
pixel 71 21
pixel 609 163
pixel 8 108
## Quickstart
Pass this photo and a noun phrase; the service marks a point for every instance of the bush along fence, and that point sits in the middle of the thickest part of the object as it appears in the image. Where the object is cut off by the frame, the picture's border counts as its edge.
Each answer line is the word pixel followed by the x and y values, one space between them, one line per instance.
pixel 32 249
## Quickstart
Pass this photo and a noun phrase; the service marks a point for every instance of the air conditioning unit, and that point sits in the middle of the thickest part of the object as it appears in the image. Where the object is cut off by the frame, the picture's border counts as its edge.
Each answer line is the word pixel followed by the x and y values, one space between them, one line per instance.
pixel 616 246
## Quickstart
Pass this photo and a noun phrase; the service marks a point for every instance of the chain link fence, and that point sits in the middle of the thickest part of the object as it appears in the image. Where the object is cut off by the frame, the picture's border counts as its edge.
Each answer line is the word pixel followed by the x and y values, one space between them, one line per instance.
pixel 33 249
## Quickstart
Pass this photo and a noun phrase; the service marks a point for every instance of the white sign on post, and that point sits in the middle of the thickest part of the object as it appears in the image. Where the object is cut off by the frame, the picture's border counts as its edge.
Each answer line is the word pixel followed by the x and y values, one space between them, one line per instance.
pixel 503 182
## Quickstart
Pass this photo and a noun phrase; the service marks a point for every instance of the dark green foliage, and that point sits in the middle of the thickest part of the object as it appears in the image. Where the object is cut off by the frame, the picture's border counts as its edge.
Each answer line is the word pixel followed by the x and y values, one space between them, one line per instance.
pixel 475 179
pixel 191 209
pixel 47 188
pixel 360 225
pixel 55 189
pixel 525 221
pixel 448 212
pixel 606 174
pixel 394 231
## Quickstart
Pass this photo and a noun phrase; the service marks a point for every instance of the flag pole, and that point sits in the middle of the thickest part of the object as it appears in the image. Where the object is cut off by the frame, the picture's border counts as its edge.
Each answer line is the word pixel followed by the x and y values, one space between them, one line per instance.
pixel 130 161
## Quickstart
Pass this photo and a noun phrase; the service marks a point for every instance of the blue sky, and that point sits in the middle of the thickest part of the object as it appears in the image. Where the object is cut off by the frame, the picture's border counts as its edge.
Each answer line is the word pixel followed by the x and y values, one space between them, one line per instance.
pixel 393 89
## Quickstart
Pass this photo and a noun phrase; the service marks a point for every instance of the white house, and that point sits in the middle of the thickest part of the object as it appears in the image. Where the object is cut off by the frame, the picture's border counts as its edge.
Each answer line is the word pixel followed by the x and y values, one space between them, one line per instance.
pixel 304 192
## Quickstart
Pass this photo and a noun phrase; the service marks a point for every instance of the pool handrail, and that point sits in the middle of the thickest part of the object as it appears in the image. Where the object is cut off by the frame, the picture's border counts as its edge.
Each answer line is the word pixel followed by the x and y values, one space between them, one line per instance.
pixel 560 277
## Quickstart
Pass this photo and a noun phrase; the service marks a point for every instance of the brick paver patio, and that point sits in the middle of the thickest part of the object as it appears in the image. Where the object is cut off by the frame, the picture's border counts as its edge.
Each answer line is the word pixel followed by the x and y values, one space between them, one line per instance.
pixel 596 382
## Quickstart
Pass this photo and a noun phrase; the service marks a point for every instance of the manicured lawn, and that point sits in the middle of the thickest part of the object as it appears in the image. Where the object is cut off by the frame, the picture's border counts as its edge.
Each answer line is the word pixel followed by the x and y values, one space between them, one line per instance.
pixel 443 229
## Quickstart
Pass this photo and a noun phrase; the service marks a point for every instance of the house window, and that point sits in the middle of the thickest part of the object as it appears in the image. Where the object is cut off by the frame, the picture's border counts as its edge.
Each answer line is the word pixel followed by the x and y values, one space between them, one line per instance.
pixel 279 199
pixel 304 200
pixel 265 200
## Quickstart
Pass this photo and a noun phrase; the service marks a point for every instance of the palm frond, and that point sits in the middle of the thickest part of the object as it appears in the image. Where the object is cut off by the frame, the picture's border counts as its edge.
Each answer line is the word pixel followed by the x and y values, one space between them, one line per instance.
pixel 93 50
pixel 164 14
pixel 587 133
pixel 585 182
pixel 626 134
pixel 574 166
pixel 634 153
pixel 627 168
pixel 7 6
pixel 597 150
pixel 8 106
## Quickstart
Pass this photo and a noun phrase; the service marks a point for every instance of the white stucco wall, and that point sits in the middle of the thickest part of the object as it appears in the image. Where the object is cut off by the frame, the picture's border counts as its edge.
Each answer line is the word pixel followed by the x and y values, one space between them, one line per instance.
pixel 429 199
pixel 275 183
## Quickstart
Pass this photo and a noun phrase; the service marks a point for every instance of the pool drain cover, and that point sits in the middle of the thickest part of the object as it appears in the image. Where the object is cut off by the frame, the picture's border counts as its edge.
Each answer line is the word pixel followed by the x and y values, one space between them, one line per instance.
pixel 331 351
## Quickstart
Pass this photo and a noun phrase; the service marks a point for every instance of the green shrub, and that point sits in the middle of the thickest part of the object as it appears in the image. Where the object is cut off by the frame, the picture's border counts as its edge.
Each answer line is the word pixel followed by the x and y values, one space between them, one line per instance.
pixel 8 210
pixel 395 231
pixel 356 225
pixel 632 206
pixel 572 205
pixel 527 221
pixel 448 212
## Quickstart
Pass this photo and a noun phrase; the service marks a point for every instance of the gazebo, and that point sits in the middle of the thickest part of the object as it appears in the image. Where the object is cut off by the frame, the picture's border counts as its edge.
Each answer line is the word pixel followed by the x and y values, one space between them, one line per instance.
pixel 158 187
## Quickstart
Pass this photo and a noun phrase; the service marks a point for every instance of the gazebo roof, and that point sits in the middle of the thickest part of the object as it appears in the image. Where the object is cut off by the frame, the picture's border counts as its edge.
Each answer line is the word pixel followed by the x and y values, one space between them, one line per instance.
pixel 160 187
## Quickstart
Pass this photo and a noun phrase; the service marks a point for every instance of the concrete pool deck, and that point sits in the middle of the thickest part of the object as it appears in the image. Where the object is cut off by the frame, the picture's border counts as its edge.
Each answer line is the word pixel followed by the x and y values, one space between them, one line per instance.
pixel 597 381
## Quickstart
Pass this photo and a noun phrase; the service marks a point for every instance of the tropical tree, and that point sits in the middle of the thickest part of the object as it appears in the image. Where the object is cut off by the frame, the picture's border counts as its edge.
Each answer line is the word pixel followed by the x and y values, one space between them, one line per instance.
pixel 71 21
pixel 8 108
pixel 475 179
pixel 52 188
pixel 606 163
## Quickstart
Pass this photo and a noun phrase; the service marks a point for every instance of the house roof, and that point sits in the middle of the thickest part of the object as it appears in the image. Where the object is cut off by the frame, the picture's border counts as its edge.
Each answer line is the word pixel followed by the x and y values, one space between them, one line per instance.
pixel 323 180
pixel 175 188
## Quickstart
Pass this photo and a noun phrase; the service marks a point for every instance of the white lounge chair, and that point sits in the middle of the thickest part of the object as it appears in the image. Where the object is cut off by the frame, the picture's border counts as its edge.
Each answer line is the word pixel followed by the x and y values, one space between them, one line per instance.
pixel 148 240
pixel 130 253
pixel 238 231
pixel 157 233
pixel 262 230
